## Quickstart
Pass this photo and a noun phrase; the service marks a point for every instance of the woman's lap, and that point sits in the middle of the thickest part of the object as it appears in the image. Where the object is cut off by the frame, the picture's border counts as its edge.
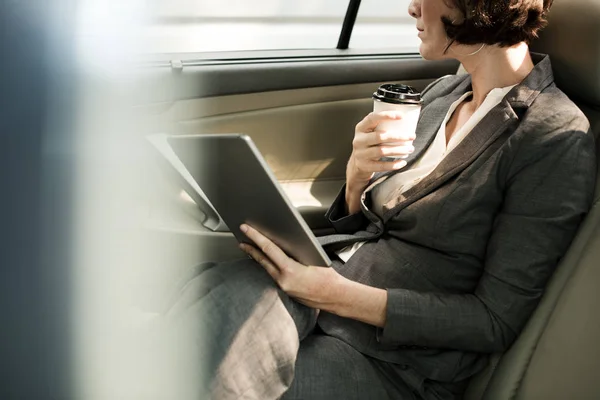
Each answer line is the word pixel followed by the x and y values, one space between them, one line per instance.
pixel 239 328
pixel 247 333
pixel 239 289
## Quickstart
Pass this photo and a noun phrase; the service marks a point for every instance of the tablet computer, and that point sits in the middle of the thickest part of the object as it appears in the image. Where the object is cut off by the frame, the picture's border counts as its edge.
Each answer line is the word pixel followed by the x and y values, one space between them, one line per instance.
pixel 237 181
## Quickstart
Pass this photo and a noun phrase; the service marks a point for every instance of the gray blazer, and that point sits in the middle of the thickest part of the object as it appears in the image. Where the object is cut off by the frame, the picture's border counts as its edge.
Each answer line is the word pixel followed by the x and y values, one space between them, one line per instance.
pixel 466 253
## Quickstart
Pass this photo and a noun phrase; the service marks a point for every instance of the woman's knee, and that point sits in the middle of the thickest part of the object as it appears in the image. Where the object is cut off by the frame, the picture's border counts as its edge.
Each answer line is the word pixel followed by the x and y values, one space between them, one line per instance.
pixel 232 279
pixel 240 287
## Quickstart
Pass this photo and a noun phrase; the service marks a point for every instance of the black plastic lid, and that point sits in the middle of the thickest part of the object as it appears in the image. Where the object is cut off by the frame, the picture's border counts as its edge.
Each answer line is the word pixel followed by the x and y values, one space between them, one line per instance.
pixel 397 94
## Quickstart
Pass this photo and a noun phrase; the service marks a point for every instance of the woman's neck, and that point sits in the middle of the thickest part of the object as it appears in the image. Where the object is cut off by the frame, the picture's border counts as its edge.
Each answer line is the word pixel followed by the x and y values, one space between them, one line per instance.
pixel 496 67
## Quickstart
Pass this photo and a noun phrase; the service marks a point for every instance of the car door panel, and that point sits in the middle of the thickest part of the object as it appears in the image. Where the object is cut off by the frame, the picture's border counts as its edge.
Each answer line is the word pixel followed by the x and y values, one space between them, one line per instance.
pixel 304 132
pixel 199 78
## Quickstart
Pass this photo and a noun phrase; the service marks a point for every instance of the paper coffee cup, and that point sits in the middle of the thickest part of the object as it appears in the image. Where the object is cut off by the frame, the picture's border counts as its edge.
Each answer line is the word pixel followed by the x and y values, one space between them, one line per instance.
pixel 403 98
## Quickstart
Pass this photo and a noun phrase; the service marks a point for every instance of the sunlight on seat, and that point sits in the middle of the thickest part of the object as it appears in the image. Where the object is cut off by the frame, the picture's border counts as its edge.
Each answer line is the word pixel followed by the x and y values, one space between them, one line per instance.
pixel 300 194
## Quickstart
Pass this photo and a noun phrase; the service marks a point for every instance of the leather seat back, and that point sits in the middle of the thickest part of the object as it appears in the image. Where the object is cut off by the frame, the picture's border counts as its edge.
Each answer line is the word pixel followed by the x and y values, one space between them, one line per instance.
pixel 557 356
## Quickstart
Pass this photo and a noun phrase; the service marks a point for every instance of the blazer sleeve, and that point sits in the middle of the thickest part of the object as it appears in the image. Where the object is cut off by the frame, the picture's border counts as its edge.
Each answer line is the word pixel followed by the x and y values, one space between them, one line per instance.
pixel 549 189
pixel 341 221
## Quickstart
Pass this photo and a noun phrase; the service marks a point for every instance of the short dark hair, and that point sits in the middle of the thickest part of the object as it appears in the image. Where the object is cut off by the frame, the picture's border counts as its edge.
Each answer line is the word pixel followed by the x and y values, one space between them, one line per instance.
pixel 497 22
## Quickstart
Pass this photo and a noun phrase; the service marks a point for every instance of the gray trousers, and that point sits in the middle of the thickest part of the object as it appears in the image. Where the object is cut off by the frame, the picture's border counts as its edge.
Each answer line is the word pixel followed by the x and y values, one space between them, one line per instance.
pixel 255 342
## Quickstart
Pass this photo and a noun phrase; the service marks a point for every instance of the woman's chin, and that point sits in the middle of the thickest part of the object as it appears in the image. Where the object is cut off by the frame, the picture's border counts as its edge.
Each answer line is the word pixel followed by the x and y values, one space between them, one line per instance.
pixel 425 51
pixel 429 53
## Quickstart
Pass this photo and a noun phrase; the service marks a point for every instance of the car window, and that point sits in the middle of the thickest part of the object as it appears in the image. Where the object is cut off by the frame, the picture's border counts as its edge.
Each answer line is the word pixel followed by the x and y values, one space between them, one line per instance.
pixel 182 26
pixel 385 24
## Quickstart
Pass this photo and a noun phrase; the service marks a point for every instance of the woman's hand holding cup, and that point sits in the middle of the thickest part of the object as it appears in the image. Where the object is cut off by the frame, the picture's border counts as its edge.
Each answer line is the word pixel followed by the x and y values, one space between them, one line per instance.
pixel 378 150
pixel 375 149
pixel 383 138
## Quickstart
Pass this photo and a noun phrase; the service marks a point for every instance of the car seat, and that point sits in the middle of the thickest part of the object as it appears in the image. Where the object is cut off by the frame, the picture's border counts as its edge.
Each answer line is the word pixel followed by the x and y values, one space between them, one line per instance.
pixel 557 356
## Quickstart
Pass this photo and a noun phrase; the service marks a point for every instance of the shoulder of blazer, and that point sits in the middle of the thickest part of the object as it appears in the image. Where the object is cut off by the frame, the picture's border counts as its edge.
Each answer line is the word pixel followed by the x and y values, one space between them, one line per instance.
pixel 441 87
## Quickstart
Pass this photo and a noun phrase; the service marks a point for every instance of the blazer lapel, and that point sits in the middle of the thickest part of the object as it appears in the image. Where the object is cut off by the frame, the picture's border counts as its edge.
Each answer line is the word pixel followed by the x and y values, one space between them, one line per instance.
pixel 497 121
pixel 490 128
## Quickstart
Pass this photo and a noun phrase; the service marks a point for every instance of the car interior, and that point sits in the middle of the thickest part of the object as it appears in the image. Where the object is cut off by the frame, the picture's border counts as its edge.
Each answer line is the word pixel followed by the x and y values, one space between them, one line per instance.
pixel 301 112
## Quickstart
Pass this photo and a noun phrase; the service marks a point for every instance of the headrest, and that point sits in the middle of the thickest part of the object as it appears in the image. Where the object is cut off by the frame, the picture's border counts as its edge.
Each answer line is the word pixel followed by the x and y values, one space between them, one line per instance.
pixel 572 39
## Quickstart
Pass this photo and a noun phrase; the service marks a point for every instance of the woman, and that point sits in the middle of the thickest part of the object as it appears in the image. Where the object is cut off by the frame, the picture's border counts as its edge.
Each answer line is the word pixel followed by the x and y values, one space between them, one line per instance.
pixel 433 272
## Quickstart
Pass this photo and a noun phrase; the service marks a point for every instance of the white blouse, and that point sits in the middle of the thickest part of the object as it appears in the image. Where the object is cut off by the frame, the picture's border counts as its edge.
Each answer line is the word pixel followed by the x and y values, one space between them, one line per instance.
pixel 400 182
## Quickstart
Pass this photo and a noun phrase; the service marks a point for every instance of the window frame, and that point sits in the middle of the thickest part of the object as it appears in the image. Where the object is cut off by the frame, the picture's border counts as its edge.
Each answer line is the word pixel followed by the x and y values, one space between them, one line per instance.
pixel 348 25
pixel 270 56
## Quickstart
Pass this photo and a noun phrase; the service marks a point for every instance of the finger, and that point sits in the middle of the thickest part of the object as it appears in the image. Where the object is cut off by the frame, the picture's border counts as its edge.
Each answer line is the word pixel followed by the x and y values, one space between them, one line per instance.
pixel 370 122
pixel 262 259
pixel 270 249
pixel 375 138
pixel 376 152
pixel 369 161
pixel 393 136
